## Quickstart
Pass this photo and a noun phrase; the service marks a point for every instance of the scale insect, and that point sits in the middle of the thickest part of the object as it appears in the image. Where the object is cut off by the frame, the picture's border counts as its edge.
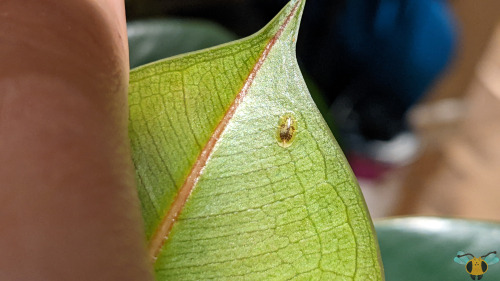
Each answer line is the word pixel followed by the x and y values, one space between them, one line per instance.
pixel 476 267
pixel 287 130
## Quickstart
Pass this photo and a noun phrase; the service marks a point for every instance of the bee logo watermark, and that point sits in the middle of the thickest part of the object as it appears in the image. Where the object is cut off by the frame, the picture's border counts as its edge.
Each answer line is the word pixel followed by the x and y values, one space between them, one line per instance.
pixel 476 267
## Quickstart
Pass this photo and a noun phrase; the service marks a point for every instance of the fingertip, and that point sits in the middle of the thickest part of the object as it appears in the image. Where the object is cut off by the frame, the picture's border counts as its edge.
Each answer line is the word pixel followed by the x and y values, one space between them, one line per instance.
pixel 72 209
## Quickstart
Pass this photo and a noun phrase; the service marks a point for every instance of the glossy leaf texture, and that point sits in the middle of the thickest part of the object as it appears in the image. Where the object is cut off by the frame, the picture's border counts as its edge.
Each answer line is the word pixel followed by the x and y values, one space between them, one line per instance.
pixel 222 196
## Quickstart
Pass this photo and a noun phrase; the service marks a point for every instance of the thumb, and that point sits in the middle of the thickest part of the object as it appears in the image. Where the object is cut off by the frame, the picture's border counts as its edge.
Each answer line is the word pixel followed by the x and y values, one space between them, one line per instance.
pixel 68 205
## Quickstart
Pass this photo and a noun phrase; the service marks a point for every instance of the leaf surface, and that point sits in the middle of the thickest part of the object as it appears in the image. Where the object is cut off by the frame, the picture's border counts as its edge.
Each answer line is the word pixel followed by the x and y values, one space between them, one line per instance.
pixel 222 196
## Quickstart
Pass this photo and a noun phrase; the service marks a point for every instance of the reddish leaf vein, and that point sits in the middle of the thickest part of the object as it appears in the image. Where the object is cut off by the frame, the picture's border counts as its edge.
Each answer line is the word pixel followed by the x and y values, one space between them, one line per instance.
pixel 162 232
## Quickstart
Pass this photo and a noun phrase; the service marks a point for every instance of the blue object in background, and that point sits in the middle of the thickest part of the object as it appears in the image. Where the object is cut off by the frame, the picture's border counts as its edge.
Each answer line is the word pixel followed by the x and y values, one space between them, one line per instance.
pixel 398 45
pixel 393 51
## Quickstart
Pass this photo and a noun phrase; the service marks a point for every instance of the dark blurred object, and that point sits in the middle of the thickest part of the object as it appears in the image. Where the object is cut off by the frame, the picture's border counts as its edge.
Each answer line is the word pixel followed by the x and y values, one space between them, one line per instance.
pixel 242 17
pixel 154 39
pixel 388 53
pixel 392 50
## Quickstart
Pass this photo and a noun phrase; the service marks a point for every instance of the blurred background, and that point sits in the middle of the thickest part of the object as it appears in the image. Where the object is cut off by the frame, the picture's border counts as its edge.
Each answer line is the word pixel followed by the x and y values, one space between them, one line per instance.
pixel 395 80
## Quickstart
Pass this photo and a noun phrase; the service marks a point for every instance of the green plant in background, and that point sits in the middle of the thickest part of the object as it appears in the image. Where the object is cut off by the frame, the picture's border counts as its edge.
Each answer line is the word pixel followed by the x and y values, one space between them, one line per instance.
pixel 424 248
pixel 238 174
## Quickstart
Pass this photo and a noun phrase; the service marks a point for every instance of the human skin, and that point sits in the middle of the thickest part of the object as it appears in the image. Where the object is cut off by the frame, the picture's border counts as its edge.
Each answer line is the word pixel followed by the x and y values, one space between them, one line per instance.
pixel 68 205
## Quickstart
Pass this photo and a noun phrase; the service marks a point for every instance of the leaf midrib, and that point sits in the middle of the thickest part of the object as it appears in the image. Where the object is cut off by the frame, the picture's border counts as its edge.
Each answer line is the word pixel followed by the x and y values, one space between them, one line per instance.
pixel 162 232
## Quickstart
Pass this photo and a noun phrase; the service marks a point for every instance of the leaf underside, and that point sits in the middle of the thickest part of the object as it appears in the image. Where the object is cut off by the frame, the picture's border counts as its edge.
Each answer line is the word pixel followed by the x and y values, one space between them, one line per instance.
pixel 255 210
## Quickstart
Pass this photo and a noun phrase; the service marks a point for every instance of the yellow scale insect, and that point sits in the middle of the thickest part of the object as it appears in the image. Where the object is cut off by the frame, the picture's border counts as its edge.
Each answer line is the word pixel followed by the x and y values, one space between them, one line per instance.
pixel 476 267
pixel 287 130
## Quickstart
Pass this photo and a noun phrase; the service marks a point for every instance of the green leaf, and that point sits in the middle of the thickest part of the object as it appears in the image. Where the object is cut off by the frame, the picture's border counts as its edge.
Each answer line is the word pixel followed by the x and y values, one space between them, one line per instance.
pixel 154 39
pixel 223 194
pixel 423 248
